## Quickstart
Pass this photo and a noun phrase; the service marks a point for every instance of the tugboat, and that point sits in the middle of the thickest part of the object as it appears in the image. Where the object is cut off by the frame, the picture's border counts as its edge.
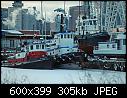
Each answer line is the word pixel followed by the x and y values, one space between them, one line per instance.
pixel 114 48
pixel 110 55
pixel 38 53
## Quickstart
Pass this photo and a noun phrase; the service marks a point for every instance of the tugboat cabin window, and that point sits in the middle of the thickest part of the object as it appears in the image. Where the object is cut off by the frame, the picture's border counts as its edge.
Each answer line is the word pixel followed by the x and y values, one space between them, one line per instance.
pixel 68 35
pixel 31 47
pixel 107 45
pixel 47 45
pixel 124 42
pixel 42 46
pixel 113 46
pixel 65 36
pixel 71 35
pixel 37 46
pixel 61 36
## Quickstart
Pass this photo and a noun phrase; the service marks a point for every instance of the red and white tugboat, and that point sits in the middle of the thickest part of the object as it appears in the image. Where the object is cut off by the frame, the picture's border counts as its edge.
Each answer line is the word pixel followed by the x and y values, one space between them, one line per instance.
pixel 37 54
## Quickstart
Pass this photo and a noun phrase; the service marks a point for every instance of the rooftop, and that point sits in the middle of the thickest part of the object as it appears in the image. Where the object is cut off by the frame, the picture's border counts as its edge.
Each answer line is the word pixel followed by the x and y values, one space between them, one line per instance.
pixel 11 32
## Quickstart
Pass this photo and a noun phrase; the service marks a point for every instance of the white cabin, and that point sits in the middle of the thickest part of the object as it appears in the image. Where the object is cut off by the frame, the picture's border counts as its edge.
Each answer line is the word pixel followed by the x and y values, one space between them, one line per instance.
pixel 65 42
pixel 62 43
pixel 117 46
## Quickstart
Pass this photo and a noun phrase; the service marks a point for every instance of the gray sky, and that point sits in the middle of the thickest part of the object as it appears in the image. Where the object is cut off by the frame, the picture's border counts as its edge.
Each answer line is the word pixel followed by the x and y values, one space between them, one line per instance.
pixel 48 6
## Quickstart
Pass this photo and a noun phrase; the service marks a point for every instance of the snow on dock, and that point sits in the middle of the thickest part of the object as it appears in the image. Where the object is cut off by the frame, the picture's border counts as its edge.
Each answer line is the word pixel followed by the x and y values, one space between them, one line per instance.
pixel 61 76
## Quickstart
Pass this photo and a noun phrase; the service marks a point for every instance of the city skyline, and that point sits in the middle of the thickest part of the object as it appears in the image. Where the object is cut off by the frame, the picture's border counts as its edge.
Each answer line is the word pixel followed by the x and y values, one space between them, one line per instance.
pixel 48 6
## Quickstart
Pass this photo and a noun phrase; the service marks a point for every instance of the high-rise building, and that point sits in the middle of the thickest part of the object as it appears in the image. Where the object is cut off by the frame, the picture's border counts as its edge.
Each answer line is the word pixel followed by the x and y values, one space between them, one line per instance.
pixel 17 4
pixel 113 14
pixel 85 9
pixel 61 19
pixel 29 21
pixel 4 17
pixel 74 13
pixel 15 16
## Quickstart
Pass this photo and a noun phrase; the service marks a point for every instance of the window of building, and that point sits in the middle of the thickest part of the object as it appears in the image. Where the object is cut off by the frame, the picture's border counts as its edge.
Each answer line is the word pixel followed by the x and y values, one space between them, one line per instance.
pixel 76 29
pixel 84 23
pixel 82 28
pixel 12 43
pixel 31 47
pixel 79 23
pixel 90 22
pixel 37 46
pixel 87 23
pixel 94 22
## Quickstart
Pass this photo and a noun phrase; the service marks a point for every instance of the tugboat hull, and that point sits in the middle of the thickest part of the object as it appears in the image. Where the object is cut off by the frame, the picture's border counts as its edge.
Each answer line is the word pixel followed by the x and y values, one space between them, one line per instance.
pixel 39 64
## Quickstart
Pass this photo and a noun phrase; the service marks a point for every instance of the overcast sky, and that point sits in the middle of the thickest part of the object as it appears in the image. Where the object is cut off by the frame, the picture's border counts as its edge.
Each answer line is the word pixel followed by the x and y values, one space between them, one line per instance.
pixel 48 6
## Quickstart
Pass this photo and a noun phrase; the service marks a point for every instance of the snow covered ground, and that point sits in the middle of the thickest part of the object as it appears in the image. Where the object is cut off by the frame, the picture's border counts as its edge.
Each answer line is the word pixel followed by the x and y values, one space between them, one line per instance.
pixel 61 76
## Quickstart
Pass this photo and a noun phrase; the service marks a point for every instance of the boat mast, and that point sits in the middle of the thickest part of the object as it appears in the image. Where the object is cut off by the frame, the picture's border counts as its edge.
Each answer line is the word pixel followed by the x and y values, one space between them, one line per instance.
pixel 64 17
pixel 64 7
pixel 45 26
pixel 42 18
pixel 79 18
pixel 100 16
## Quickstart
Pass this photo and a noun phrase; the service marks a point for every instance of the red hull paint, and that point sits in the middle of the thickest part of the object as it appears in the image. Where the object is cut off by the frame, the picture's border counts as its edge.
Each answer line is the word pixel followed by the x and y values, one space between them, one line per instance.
pixel 36 54
pixel 17 60
pixel 30 55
